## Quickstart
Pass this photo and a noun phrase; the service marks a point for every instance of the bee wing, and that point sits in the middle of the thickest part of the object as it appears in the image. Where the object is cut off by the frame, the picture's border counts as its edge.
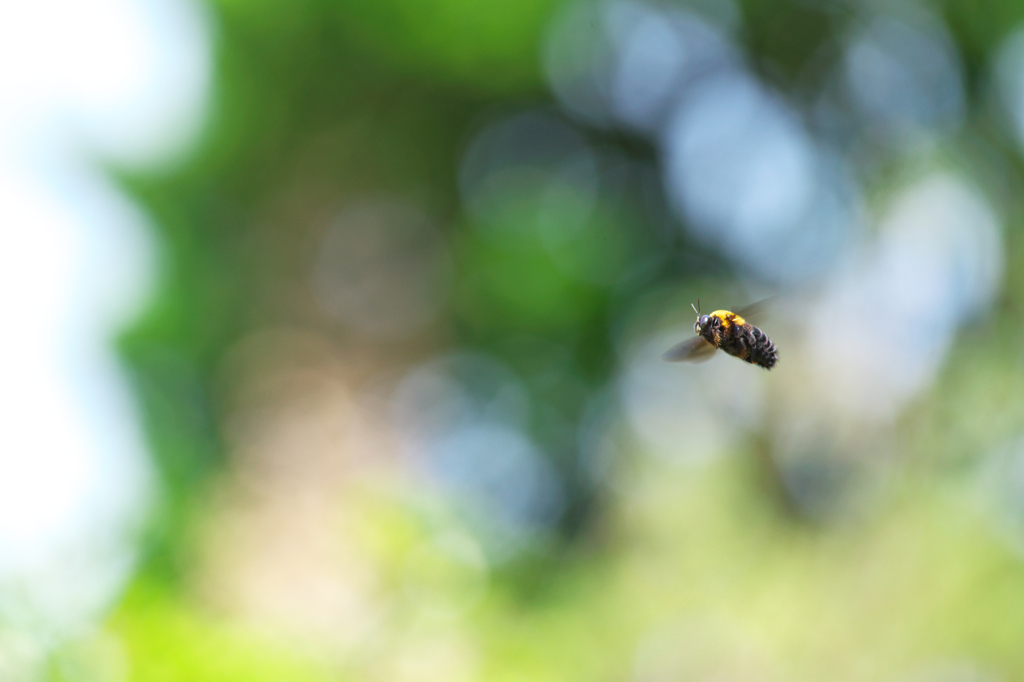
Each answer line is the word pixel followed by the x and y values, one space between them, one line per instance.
pixel 691 350
pixel 756 313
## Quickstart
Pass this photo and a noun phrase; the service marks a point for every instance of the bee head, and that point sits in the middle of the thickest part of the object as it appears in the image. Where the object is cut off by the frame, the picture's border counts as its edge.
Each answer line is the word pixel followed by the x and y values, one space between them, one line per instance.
pixel 702 320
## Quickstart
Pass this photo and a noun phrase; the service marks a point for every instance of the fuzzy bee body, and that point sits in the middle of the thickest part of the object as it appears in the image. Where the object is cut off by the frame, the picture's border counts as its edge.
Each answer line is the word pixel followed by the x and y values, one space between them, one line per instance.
pixel 731 333
pixel 737 337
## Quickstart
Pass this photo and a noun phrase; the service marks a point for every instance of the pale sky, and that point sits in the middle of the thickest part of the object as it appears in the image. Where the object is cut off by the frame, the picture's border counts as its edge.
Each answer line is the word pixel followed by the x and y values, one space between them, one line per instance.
pixel 80 82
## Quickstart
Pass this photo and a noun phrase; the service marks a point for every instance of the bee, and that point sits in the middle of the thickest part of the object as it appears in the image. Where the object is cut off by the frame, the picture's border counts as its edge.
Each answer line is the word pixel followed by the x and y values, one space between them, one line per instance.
pixel 730 332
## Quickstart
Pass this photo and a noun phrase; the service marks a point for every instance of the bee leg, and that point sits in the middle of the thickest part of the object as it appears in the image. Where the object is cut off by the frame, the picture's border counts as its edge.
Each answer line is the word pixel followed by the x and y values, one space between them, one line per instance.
pixel 744 343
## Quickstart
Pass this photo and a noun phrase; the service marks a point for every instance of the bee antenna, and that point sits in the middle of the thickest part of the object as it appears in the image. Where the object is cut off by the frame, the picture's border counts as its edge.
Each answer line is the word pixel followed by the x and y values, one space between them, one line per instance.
pixel 695 310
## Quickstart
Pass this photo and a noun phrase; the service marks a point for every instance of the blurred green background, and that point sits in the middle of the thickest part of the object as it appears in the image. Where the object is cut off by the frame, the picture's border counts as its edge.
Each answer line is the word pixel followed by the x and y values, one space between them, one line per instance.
pixel 401 379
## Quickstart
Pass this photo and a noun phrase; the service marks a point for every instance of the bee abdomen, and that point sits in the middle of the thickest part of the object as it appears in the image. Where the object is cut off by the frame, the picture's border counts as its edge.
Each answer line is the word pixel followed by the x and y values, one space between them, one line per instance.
pixel 762 351
pixel 749 343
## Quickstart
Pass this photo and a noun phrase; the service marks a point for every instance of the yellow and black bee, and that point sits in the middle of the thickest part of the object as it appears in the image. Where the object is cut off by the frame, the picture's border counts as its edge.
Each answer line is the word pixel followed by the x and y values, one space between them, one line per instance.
pixel 730 332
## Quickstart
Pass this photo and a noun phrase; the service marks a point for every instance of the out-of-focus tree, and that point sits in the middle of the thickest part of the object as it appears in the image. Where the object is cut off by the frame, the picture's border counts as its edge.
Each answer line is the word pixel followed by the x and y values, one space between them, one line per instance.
pixel 443 243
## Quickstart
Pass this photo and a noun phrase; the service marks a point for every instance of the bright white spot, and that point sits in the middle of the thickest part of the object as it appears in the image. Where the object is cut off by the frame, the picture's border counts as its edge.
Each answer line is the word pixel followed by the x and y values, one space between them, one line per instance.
pixel 128 79
pixel 659 54
pixel 628 61
pixel 75 264
pixel 750 181
pixel 652 57
pixel 739 164
pixel 741 160
pixel 120 79
pixel 937 262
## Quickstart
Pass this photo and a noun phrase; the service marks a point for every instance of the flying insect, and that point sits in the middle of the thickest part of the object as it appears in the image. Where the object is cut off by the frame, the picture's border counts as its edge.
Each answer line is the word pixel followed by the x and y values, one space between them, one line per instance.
pixel 730 332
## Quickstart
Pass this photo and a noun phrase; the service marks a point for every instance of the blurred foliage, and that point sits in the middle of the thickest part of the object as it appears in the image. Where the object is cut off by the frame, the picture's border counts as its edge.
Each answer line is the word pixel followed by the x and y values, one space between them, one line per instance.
pixel 301 108
pixel 319 103
pixel 925 581
pixel 165 640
